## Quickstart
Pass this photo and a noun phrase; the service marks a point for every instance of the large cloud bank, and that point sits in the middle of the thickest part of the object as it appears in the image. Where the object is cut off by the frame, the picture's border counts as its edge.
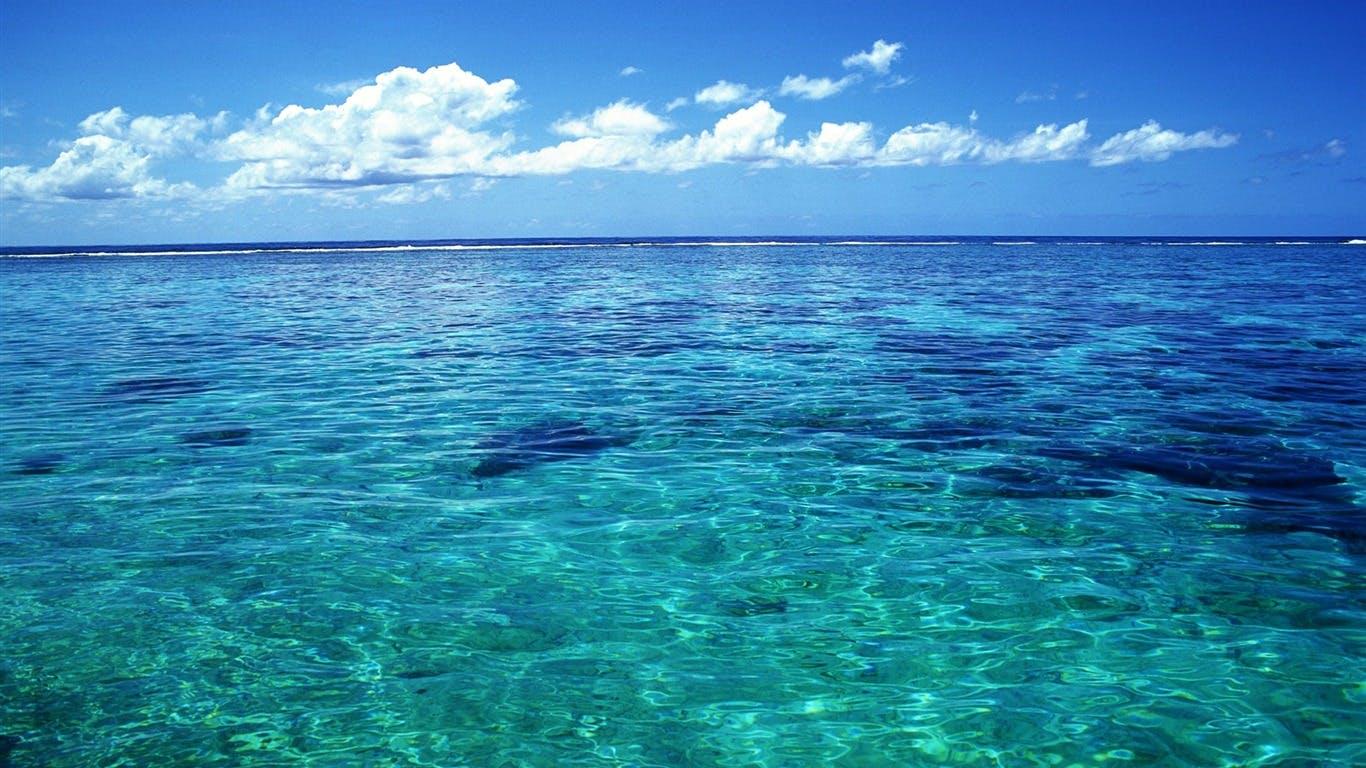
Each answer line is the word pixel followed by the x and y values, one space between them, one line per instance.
pixel 410 125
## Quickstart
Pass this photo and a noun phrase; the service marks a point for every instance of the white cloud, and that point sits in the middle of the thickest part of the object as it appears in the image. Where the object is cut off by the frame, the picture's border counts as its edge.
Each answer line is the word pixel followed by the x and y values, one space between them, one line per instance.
pixel 834 144
pixel 628 71
pixel 412 130
pixel 1335 148
pixel 91 168
pixel 407 194
pixel 1029 97
pixel 681 101
pixel 896 81
pixel 746 135
pixel 815 88
pixel 620 119
pixel 723 93
pixel 878 59
pixel 1151 142
pixel 112 158
pixel 343 88
pixel 945 144
pixel 407 126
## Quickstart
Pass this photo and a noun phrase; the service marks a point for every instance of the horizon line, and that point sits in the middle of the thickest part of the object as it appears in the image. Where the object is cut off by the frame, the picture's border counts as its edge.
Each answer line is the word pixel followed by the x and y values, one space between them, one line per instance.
pixel 848 238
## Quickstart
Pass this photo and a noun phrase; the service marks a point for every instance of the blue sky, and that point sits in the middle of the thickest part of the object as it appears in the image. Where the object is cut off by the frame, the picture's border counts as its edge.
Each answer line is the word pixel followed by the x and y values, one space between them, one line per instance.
pixel 190 122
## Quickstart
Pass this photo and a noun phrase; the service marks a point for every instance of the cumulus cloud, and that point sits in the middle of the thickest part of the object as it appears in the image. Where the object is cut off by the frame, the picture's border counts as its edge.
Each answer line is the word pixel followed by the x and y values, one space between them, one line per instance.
pixel 835 144
pixel 945 144
pixel 112 158
pixel 628 71
pixel 620 119
pixel 878 59
pixel 412 131
pixel 407 125
pixel 724 93
pixel 1151 142
pixel 746 135
pixel 814 88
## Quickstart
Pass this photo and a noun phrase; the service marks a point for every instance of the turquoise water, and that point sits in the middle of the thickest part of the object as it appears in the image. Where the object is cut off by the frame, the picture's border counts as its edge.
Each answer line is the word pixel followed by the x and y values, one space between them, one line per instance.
pixel 789 505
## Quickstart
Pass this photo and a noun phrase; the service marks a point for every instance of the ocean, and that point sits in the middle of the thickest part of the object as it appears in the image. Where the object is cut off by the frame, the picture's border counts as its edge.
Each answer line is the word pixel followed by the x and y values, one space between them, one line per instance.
pixel 685 501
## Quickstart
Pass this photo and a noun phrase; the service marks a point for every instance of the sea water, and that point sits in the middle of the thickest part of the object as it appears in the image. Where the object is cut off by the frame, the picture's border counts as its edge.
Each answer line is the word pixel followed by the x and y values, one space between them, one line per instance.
pixel 863 502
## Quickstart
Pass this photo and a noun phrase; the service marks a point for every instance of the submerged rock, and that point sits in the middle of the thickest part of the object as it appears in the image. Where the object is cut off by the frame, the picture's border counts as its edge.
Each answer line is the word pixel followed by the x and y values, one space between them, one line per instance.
pixel 40 464
pixel 210 438
pixel 155 387
pixel 1268 468
pixel 528 446
pixel 1268 487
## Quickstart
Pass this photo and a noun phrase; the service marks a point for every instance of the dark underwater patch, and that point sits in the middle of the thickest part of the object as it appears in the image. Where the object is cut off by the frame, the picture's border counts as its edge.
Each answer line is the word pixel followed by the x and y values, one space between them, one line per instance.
pixel 212 438
pixel 1277 469
pixel 754 606
pixel 528 446
pixel 154 388
pixel 1017 482
pixel 40 464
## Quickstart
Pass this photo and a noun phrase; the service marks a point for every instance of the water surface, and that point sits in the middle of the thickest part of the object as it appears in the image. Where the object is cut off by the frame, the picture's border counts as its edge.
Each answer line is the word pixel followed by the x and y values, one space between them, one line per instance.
pixel 760 505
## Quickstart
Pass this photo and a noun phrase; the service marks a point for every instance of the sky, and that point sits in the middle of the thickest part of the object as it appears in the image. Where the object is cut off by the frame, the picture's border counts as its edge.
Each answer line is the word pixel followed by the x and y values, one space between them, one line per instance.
pixel 196 122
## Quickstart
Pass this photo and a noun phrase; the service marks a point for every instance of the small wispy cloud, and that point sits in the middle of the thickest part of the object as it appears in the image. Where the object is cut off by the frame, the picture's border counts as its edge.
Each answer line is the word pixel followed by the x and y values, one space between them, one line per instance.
pixel 877 59
pixel 1155 187
pixel 724 93
pixel 1030 97
pixel 415 193
pixel 479 186
pixel 629 71
pixel 343 88
pixel 814 88
pixel 1327 153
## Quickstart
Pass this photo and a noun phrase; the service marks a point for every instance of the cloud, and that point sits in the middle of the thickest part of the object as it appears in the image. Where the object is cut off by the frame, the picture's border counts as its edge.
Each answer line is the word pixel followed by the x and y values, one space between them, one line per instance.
pixel 620 119
pixel 945 144
pixel 343 88
pixel 724 93
pixel 1149 188
pixel 1151 143
pixel 407 194
pixel 681 101
pixel 835 144
pixel 877 59
pixel 814 88
pixel 628 71
pixel 1327 153
pixel 746 135
pixel 112 158
pixel 1029 97
pixel 411 130
pixel 407 125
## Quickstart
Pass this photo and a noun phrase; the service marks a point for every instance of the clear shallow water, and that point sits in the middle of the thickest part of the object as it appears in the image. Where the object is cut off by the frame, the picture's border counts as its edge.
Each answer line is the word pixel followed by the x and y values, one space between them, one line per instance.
pixel 896 505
